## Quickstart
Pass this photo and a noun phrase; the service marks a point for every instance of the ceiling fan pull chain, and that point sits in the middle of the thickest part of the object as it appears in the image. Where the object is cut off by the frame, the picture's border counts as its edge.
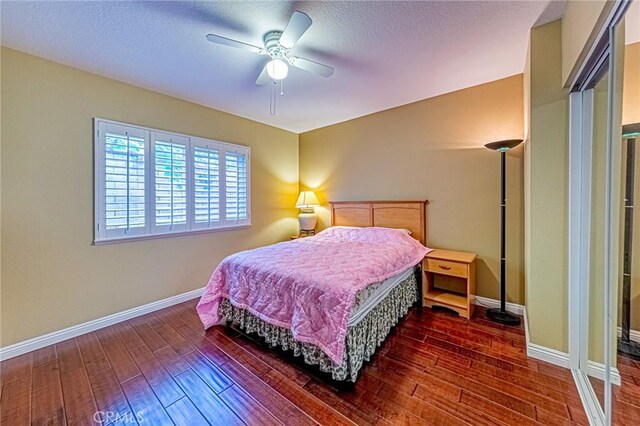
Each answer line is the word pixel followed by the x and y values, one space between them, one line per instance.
pixel 272 99
pixel 282 87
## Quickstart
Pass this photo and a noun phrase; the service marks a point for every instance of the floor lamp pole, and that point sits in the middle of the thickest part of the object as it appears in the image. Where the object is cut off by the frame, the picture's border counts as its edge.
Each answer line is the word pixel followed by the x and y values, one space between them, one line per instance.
pixel 503 231
pixel 500 314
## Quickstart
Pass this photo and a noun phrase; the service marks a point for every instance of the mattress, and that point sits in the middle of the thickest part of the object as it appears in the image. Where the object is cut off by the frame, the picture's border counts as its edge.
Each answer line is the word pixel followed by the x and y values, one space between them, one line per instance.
pixel 370 296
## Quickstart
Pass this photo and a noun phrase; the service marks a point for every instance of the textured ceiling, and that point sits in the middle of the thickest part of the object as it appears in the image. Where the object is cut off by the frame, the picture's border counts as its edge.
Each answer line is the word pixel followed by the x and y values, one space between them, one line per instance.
pixel 385 53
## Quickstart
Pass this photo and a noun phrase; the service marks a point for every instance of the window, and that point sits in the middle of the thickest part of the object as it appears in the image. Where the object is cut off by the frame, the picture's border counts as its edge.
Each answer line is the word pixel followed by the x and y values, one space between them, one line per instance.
pixel 152 183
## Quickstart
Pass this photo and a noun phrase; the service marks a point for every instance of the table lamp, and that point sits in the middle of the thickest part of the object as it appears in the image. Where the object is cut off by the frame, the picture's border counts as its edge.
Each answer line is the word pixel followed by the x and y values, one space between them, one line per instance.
pixel 307 218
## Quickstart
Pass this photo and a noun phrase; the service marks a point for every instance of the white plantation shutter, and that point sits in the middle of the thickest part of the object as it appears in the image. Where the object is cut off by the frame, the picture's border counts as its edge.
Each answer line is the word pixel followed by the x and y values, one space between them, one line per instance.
pixel 236 186
pixel 122 181
pixel 206 185
pixel 151 183
pixel 170 182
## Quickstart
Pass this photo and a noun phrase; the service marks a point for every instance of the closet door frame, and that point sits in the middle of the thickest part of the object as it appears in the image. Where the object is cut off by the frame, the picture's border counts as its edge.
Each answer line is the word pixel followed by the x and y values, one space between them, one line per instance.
pixel 580 169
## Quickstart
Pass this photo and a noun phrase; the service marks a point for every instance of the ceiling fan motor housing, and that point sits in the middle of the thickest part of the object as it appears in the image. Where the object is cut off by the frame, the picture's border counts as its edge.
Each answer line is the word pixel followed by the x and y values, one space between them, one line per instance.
pixel 272 44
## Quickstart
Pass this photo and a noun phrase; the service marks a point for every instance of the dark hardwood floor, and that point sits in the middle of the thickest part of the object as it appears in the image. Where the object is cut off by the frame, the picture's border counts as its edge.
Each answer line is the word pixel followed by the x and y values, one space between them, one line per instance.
pixel 626 397
pixel 162 368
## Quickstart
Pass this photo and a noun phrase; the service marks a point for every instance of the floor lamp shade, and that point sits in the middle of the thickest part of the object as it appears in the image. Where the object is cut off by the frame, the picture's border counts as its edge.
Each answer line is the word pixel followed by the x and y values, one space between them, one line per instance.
pixel 307 218
pixel 500 314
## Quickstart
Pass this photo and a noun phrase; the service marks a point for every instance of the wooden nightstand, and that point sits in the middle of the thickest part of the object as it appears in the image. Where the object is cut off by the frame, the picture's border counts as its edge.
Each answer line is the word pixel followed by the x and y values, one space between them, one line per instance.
pixel 456 266
pixel 303 235
pixel 295 237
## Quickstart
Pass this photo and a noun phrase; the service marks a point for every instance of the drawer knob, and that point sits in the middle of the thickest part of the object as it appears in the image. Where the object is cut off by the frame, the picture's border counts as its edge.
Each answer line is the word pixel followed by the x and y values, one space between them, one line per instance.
pixel 445 267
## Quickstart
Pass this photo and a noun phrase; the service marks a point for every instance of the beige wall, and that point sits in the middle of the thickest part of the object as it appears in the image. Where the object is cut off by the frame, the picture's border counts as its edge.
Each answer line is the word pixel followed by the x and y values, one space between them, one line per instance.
pixel 578 23
pixel 546 173
pixel 52 277
pixel 546 273
pixel 433 149
pixel 631 95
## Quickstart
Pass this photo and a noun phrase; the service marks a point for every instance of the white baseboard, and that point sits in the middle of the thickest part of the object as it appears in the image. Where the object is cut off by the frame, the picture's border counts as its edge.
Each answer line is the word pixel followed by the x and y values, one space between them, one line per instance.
pixel 634 335
pixel 561 359
pixel 543 353
pixel 533 350
pixel 526 327
pixel 596 369
pixel 514 308
pixel 76 330
pixel 552 356
pixel 540 352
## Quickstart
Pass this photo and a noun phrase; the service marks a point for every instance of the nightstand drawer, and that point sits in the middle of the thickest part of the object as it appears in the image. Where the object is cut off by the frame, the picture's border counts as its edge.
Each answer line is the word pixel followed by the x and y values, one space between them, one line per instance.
pixel 446 267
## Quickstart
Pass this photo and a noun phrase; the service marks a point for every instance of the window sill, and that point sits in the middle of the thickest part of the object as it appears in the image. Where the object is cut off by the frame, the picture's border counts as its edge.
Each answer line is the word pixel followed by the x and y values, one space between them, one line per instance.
pixel 166 235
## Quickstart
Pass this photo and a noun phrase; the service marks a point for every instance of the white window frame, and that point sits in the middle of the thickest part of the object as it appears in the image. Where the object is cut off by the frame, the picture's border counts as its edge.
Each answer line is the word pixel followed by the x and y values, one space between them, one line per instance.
pixel 151 230
pixel 100 168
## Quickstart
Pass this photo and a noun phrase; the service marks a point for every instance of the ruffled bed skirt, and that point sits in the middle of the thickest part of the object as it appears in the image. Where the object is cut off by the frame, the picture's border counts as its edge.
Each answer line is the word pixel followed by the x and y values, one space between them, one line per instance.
pixel 362 339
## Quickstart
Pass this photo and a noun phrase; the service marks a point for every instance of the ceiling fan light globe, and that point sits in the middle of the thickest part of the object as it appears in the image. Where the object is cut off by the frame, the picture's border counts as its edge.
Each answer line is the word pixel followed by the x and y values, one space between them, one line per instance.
pixel 277 69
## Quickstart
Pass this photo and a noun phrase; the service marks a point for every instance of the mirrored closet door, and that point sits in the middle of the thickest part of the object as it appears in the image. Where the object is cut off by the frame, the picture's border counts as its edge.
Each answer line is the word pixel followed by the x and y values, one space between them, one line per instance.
pixel 600 235
pixel 626 354
pixel 625 399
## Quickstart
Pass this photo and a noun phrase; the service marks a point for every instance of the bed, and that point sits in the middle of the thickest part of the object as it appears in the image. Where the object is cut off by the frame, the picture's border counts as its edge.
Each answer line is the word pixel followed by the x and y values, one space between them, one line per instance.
pixel 333 298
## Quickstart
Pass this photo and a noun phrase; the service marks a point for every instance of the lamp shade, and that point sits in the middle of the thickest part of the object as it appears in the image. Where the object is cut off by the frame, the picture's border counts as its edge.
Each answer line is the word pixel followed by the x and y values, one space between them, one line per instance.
pixel 505 145
pixel 307 199
pixel 631 130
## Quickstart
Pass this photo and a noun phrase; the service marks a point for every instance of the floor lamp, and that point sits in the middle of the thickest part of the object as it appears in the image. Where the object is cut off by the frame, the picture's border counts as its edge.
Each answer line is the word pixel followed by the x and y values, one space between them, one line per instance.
pixel 500 314
pixel 625 344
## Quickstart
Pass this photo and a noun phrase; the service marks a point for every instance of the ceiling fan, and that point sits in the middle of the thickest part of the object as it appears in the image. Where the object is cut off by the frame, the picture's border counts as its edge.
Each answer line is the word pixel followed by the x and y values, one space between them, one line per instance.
pixel 277 45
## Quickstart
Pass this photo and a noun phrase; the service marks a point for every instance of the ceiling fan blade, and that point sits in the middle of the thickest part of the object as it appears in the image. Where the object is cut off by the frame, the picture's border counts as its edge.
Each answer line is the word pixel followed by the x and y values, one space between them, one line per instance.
pixel 264 77
pixel 298 24
pixel 234 43
pixel 314 67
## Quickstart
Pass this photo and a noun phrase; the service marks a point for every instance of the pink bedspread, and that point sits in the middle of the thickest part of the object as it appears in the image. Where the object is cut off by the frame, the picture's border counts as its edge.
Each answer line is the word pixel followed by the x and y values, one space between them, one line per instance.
pixel 309 285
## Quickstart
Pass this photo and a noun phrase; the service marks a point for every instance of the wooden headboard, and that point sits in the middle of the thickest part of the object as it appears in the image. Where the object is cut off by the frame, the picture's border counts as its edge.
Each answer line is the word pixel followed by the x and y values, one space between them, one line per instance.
pixel 411 215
